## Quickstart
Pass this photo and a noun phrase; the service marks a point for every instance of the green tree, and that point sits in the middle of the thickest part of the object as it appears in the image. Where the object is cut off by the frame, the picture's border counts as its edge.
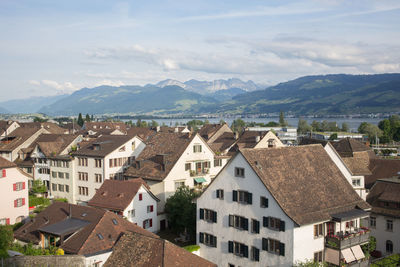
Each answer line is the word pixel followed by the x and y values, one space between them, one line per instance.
pixel 238 125
pixel 153 123
pixel 38 187
pixel 332 126
pixel 345 127
pixel 6 239
pixel 282 121
pixel 333 137
pixel 371 130
pixel 272 124
pixel 309 263
pixel 325 126
pixel 87 118
pixel 181 211
pixel 38 119
pixel 80 120
pixel 303 127
pixel 91 118
pixel 316 126
pixel 221 121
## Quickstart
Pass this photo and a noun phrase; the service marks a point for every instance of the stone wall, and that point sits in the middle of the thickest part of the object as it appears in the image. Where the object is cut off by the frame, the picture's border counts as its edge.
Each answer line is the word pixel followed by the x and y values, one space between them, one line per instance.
pixel 44 261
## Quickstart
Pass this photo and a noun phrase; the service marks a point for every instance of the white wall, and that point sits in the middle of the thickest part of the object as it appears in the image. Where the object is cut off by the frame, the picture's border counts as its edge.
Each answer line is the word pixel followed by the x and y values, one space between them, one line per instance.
pixel 382 235
pixel 251 183
pixel 64 181
pixel 7 210
pixel 304 243
pixel 140 207
pixel 102 258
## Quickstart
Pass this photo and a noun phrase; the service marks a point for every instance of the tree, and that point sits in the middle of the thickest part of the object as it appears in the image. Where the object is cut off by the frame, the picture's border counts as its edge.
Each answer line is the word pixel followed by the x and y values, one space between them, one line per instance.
pixel 272 124
pixel 332 126
pixel 221 121
pixel 38 119
pixel 38 187
pixel 80 120
pixel 333 137
pixel 181 211
pixel 316 126
pixel 153 123
pixel 345 127
pixel 6 238
pixel 238 125
pixel 371 130
pixel 303 127
pixel 282 121
pixel 91 118
pixel 325 126
pixel 87 118
pixel 309 263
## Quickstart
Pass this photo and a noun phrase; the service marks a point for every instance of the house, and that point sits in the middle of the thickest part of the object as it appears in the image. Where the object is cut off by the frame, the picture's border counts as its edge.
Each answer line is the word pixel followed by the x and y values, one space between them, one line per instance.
pixel 171 160
pixel 6 127
pixel 14 193
pixel 147 250
pixel 256 139
pixel 354 168
pixel 107 157
pixel 287 135
pixel 279 206
pixel 384 222
pixel 381 168
pixel 131 199
pixel 78 230
pixel 96 129
pixel 340 135
pixel 50 127
pixel 219 137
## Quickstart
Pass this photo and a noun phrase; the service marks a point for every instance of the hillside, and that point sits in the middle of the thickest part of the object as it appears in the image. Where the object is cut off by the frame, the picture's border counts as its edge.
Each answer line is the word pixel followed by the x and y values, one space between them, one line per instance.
pixel 322 94
pixel 129 99
pixel 29 105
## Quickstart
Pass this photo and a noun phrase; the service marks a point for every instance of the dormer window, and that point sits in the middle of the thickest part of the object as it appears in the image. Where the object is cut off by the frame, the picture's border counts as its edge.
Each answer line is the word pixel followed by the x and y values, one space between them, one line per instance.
pixel 239 172
pixel 115 222
pixel 100 236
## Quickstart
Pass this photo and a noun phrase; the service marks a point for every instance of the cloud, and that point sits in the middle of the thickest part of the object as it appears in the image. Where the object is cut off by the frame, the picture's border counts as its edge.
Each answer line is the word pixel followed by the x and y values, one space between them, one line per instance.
pixel 386 67
pixel 61 88
pixel 110 83
pixel 34 82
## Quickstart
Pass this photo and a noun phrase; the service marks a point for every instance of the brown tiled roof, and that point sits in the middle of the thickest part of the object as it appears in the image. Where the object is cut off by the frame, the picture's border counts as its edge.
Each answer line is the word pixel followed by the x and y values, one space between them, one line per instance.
pixel 86 240
pixel 208 130
pixel 304 181
pixel 53 144
pixel 48 126
pixel 385 190
pixel 222 143
pixel 144 133
pixel 117 195
pixel 6 163
pixel 161 153
pixel 358 163
pixel 97 126
pixel 248 138
pixel 4 125
pixel 17 137
pixel 381 168
pixel 310 141
pixel 347 146
pixel 152 251
pixel 103 145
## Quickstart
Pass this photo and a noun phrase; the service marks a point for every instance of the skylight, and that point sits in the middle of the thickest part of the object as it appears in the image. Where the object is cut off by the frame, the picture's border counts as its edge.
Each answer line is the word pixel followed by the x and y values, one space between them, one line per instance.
pixel 100 236
pixel 115 221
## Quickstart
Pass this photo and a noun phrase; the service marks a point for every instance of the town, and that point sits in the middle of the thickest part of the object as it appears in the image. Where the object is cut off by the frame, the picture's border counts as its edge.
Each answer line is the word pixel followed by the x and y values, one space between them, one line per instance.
pixel 109 193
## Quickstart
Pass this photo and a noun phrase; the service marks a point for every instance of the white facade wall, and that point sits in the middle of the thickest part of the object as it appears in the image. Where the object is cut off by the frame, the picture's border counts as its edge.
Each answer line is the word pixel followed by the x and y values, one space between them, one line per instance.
pixel 141 213
pixel 251 183
pixel 14 125
pixel 105 170
pixel 382 235
pixel 100 259
pixel 8 195
pixel 67 172
pixel 305 244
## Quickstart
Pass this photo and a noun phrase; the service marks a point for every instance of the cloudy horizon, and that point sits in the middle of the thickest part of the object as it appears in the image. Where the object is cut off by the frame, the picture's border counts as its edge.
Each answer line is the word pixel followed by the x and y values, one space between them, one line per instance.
pixel 51 47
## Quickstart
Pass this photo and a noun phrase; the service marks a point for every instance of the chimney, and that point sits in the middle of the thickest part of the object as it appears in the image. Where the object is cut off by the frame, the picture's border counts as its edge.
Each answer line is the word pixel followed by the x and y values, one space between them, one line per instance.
pixel 176 130
pixel 158 128
pixel 236 135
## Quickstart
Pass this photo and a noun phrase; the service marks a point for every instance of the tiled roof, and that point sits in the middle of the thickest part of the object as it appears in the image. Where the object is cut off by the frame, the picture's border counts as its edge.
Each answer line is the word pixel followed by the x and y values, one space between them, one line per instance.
pixel 6 163
pixel 17 137
pixel 4 125
pixel 248 138
pixel 48 126
pixel 381 168
pixel 97 126
pixel 347 146
pixel 144 133
pixel 304 181
pixel 385 190
pixel 117 195
pixel 358 163
pixel 152 251
pixel 103 145
pixel 208 130
pixel 85 241
pixel 161 153
pixel 53 144
pixel 222 143
pixel 310 141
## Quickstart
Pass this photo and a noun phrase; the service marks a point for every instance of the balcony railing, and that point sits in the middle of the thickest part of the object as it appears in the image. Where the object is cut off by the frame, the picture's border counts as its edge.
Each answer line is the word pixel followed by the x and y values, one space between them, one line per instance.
pixel 199 173
pixel 342 241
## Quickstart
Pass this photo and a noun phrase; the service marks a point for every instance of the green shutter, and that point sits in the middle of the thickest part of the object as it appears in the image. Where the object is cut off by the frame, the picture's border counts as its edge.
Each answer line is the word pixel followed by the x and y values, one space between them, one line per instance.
pixel 234 195
pixel 282 249
pixel 249 198
pixel 201 214
pixel 230 246
pixel 265 221
pixel 282 226
pixel 201 238
pixel 231 223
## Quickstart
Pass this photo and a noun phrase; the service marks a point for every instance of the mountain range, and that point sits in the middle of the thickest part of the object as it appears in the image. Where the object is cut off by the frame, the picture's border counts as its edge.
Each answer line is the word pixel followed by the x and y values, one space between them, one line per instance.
pixel 320 94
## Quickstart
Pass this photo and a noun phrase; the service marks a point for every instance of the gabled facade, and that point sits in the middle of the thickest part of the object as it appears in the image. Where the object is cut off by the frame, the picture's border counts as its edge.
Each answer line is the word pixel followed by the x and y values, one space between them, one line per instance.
pixel 270 207
pixel 131 199
pixel 7 127
pixel 105 158
pixel 14 193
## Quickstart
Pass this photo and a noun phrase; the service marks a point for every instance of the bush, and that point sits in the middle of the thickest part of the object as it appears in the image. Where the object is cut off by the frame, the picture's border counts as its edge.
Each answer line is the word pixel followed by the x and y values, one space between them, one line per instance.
pixel 192 248
pixel 61 200
pixel 6 237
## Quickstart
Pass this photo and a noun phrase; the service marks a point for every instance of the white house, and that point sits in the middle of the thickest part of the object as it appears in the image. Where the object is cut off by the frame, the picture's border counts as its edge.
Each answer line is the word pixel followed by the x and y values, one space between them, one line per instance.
pixel 171 160
pixel 288 135
pixel 384 197
pixel 14 193
pixel 131 199
pixel 105 158
pixel 6 127
pixel 279 206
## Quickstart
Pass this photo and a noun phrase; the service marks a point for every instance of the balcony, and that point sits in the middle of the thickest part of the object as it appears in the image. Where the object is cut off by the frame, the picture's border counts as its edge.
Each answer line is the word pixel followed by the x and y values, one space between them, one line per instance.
pixel 203 172
pixel 346 240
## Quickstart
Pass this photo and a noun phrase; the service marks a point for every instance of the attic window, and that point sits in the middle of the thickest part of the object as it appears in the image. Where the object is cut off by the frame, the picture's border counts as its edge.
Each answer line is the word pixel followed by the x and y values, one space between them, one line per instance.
pixel 84 214
pixel 100 236
pixel 115 222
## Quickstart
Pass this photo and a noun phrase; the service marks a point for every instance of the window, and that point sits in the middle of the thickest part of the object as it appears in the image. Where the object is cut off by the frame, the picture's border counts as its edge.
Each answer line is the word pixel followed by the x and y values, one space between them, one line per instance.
pixel 98 178
pixel 82 161
pixel 389 246
pixel 274 224
pixel 196 148
pixel 84 191
pixel 356 182
pixel 115 222
pixel 238 249
pixel 19 202
pixel 217 162
pixel 372 222
pixel 131 213
pixel 179 184
pixel 82 176
pixel 111 163
pixel 66 175
pixel 149 208
pixel 4 221
pixel 188 166
pixel 242 197
pixel 67 188
pixel 100 236
pixel 238 222
pixel 220 193
pixel 140 197
pixel 54 187
pixel 389 225
pixel 231 265
pixel 255 226
pixel 61 175
pixel 19 186
pixel 318 256
pixel 97 163
pixel 61 187
pixel 147 223
pixel 239 172
pixel 255 254
pixel 273 246
pixel 133 146
pixel 318 230
pixel 3 173
pixel 54 174
pixel 263 202
pixel 208 215
pixel 208 239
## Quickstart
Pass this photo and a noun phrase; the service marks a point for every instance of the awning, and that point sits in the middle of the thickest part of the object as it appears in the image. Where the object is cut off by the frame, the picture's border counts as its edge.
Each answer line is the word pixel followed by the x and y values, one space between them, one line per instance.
pixel 332 256
pixel 348 255
pixel 200 180
pixel 349 215
pixel 358 253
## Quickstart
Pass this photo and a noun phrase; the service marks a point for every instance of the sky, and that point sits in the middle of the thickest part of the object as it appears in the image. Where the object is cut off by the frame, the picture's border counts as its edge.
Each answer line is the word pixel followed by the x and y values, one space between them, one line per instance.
pixel 57 47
